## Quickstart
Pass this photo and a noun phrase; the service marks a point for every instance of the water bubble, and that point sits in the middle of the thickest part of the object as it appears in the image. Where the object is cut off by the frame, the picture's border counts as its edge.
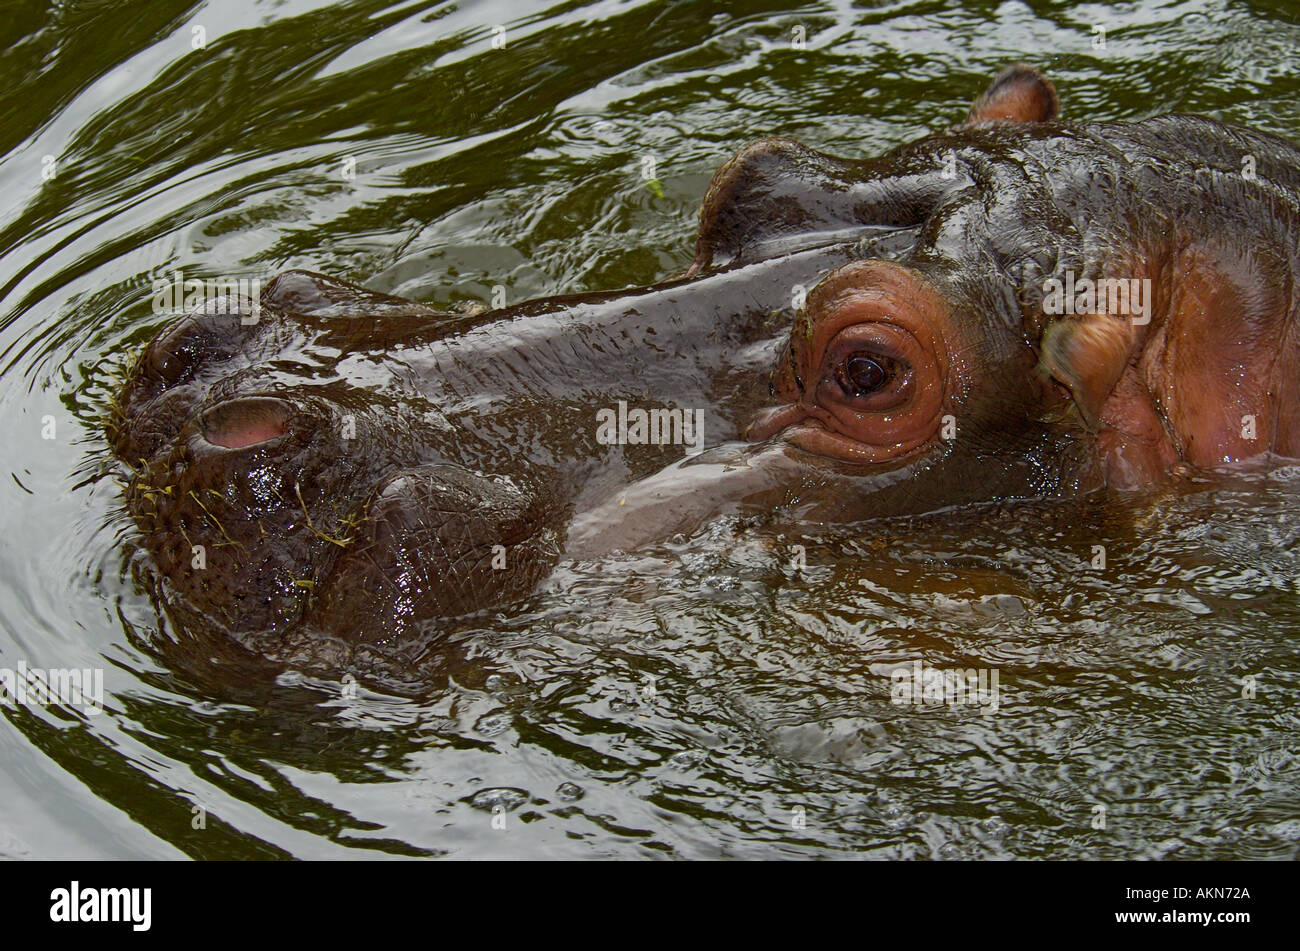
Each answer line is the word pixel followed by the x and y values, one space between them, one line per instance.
pixel 11 846
pixel 570 792
pixel 687 759
pixel 506 797
pixel 895 814
pixel 1000 605
pixel 994 826
pixel 494 724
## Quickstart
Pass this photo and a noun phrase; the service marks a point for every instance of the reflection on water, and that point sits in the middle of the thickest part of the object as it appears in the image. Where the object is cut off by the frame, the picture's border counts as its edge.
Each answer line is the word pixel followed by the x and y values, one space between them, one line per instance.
pixel 726 694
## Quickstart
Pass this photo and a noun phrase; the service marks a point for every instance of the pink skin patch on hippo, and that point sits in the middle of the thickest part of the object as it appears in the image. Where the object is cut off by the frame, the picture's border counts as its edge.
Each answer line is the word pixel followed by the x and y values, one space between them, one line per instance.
pixel 246 422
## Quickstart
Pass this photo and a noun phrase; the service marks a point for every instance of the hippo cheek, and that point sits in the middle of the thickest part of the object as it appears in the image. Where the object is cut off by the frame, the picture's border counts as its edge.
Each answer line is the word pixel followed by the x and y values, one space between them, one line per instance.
pixel 144 432
pixel 434 542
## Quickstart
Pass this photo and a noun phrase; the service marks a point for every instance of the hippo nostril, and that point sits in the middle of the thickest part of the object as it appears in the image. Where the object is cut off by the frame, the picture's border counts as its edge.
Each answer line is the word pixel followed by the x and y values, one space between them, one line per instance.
pixel 215 330
pixel 173 353
pixel 246 422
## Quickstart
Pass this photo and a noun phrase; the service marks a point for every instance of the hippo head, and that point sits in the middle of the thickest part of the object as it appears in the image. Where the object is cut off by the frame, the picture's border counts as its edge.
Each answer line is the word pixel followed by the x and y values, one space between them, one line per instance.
pixel 935 366
pixel 326 459
pixel 350 465
pixel 282 480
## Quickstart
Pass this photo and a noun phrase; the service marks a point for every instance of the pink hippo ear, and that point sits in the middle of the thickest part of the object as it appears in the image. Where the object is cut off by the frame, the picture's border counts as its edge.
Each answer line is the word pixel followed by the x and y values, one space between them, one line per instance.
pixel 1088 355
pixel 1020 93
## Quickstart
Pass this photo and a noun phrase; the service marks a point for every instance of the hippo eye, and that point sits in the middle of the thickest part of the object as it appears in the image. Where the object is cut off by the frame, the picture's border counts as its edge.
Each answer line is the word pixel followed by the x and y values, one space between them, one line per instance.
pixel 863 373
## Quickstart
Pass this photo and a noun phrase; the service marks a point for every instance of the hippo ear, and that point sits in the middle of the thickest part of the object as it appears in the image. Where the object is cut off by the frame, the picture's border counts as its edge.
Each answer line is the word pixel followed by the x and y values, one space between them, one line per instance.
pixel 1088 356
pixel 1020 93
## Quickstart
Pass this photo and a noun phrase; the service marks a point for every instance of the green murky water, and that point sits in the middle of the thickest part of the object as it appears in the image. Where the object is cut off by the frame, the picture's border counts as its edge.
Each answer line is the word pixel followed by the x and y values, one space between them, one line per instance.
pixel 708 698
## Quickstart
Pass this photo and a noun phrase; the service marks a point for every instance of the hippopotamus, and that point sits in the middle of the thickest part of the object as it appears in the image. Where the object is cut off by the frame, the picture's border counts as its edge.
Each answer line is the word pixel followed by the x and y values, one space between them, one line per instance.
pixel 1014 307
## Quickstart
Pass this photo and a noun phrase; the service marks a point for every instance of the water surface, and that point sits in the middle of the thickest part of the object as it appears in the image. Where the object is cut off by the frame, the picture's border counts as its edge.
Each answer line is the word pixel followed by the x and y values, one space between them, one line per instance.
pixel 727 694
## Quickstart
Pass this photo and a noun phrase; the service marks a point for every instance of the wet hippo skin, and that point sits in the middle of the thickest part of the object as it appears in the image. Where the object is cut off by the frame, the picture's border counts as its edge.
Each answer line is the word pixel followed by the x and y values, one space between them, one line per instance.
pixel 1015 307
